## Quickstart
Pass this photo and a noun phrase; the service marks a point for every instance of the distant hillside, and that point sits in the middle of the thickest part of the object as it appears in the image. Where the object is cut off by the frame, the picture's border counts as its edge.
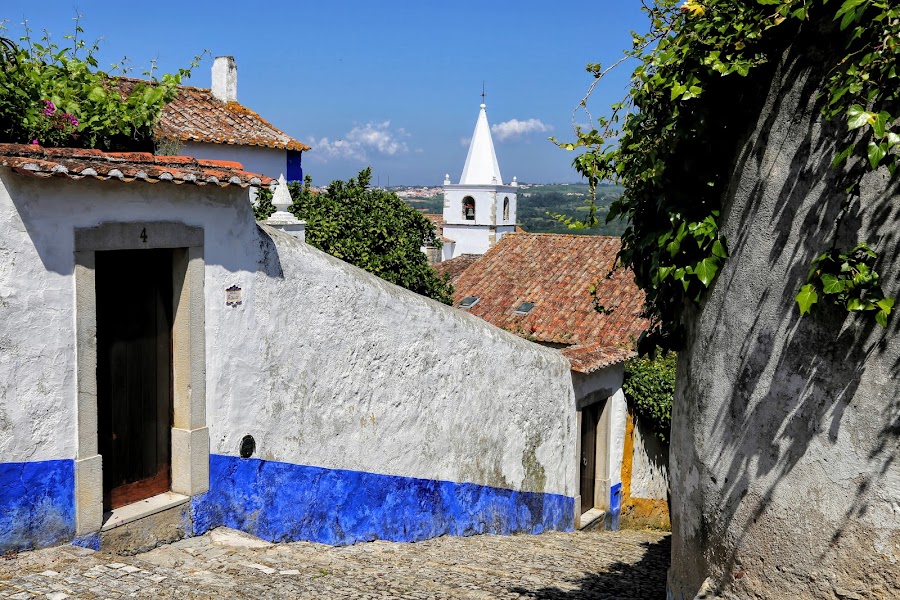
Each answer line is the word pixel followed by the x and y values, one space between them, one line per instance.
pixel 535 201
pixel 566 199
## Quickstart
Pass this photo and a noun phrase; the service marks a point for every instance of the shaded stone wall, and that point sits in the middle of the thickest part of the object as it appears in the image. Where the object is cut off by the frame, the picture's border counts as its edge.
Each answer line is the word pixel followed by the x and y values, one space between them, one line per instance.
pixel 785 430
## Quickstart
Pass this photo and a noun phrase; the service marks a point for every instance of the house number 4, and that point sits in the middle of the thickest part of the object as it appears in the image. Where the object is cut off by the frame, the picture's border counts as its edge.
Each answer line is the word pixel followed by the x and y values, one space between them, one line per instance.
pixel 144 235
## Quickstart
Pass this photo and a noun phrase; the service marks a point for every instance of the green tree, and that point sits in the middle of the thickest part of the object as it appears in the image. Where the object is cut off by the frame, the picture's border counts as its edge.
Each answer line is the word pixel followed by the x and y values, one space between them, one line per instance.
pixel 370 228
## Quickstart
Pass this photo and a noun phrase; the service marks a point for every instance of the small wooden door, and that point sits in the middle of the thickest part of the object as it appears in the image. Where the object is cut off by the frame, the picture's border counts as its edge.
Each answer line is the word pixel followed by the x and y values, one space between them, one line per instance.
pixel 134 373
pixel 590 417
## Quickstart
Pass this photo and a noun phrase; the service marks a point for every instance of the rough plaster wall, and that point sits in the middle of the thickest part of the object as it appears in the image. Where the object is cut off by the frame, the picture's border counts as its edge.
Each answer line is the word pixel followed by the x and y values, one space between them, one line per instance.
pixel 649 465
pixel 324 364
pixel 785 430
pixel 37 360
pixel 330 366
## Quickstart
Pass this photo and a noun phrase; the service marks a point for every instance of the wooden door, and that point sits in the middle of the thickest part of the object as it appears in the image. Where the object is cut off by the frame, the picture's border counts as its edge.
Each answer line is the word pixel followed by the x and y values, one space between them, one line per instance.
pixel 134 373
pixel 590 417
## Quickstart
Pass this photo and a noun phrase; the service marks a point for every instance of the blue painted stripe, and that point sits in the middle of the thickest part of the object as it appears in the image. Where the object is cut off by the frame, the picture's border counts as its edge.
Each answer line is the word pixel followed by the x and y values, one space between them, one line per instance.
pixel 37 504
pixel 283 502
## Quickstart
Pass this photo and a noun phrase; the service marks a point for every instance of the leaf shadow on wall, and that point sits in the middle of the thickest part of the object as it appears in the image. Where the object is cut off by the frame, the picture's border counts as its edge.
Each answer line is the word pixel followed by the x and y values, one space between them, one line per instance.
pixel 791 380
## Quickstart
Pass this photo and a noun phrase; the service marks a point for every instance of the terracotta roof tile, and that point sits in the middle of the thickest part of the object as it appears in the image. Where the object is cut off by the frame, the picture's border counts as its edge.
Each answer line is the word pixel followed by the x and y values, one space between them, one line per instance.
pixel 455 266
pixel 196 116
pixel 78 163
pixel 587 359
pixel 555 273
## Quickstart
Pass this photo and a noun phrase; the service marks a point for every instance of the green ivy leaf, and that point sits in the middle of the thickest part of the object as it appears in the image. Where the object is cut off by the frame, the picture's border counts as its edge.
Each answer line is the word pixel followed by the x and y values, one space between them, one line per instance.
pixel 858 116
pixel 858 304
pixel 876 152
pixel 706 270
pixel 831 284
pixel 806 298
pixel 719 250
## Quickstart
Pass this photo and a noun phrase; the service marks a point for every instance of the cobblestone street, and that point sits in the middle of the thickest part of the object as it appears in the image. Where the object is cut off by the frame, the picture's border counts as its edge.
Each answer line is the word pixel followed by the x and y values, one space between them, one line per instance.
pixel 227 564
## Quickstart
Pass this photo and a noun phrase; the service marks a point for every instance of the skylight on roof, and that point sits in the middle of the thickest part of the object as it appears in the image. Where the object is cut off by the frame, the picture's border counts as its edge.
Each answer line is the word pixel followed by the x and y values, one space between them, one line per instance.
pixel 469 301
pixel 524 308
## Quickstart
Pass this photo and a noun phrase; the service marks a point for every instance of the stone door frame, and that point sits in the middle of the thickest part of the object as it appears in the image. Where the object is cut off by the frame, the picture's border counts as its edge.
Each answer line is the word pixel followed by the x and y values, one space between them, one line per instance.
pixel 190 435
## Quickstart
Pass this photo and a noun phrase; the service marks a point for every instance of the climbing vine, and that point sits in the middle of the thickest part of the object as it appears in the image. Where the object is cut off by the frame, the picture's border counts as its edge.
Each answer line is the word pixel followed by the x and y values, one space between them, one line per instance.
pixel 649 386
pixel 668 140
pixel 55 95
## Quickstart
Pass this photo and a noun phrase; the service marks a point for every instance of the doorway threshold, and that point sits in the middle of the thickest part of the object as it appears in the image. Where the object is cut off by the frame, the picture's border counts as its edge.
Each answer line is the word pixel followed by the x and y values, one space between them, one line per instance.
pixel 592 519
pixel 143 508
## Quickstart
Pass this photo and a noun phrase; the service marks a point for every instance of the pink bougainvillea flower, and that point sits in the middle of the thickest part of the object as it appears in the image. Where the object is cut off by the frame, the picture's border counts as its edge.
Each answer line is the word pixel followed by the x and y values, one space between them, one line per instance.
pixel 35 142
pixel 49 107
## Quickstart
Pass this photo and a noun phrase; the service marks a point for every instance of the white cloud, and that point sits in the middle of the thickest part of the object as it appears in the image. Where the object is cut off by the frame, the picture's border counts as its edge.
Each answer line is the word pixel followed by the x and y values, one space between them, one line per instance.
pixel 465 141
pixel 362 141
pixel 514 128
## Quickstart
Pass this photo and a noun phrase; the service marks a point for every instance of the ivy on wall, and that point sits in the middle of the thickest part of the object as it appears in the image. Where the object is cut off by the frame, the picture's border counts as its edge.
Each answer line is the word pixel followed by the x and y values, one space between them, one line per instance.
pixel 667 140
pixel 649 386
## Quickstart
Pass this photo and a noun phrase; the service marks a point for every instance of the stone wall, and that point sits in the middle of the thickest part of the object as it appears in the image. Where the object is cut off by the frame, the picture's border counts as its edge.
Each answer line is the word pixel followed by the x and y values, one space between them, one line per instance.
pixel 785 429
pixel 376 413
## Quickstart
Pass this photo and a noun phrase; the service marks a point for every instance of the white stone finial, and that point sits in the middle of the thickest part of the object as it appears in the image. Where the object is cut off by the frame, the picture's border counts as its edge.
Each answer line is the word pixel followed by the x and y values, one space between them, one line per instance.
pixel 447 179
pixel 282 219
pixel 515 182
pixel 281 199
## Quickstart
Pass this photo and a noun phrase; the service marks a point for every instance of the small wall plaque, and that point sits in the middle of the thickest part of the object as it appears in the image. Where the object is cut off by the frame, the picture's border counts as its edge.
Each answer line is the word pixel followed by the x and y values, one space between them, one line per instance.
pixel 233 296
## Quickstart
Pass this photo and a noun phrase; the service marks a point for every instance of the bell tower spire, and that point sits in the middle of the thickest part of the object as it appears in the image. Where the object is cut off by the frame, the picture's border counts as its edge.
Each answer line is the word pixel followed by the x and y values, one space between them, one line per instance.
pixel 480 209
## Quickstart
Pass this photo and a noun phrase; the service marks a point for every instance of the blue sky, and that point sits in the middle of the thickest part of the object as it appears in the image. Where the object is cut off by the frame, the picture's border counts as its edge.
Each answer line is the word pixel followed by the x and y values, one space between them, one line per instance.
pixel 392 84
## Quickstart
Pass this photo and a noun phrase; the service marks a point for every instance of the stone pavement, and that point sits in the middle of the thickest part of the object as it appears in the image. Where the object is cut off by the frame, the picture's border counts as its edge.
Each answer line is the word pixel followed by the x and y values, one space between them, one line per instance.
pixel 229 564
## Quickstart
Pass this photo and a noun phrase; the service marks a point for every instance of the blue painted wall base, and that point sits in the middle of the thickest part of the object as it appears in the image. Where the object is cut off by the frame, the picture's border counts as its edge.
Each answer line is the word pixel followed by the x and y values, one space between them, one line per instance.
pixel 37 504
pixel 284 502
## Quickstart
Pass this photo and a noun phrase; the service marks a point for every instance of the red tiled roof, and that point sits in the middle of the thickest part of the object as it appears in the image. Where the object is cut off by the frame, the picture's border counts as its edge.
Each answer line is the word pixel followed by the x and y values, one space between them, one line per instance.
pixel 587 359
pixel 196 116
pixel 455 266
pixel 76 163
pixel 555 272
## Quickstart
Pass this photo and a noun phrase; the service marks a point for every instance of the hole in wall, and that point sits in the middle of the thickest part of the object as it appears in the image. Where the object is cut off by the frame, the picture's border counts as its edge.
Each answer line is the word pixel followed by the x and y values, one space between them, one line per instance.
pixel 248 446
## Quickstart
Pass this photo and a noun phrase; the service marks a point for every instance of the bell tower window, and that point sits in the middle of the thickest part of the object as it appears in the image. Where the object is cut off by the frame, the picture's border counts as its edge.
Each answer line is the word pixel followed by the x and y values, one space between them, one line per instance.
pixel 469 208
pixel 506 209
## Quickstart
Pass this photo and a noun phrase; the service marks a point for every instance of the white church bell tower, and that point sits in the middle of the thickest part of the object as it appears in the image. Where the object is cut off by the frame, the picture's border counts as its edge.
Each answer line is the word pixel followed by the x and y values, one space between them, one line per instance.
pixel 480 209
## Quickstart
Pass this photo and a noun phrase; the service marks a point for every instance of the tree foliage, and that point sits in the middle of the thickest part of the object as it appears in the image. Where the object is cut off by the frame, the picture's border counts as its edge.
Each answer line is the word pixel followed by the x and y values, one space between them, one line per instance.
pixel 649 386
pixel 668 142
pixel 367 227
pixel 57 96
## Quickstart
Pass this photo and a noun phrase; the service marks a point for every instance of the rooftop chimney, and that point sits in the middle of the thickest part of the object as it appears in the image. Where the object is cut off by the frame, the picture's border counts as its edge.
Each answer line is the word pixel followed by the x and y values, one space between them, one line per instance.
pixel 224 79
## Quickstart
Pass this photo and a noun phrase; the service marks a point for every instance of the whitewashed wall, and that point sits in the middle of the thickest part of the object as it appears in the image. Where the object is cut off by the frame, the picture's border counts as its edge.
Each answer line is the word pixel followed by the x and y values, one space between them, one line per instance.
pixel 649 466
pixel 325 365
pixel 255 159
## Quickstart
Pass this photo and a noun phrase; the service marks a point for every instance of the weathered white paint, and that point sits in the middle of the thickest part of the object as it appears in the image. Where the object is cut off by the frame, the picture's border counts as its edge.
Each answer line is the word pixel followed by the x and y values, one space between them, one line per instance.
pixel 649 465
pixel 371 377
pixel 224 79
pixel 255 159
pixel 323 364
